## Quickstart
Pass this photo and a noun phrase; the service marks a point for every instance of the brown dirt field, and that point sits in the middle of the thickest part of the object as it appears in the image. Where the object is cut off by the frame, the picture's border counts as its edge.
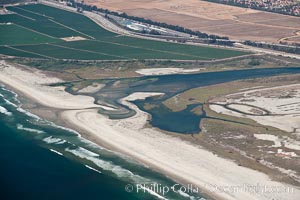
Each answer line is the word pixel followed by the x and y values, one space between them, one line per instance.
pixel 292 39
pixel 250 31
pixel 295 39
pixel 234 22
pixel 293 23
pixel 260 16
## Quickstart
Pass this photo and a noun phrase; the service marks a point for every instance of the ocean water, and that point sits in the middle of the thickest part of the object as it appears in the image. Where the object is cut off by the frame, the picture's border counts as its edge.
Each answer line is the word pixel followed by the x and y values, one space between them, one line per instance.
pixel 40 160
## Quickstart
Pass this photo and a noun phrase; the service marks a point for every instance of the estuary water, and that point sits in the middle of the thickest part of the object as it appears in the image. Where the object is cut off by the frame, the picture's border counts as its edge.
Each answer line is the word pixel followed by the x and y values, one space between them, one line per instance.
pixel 162 117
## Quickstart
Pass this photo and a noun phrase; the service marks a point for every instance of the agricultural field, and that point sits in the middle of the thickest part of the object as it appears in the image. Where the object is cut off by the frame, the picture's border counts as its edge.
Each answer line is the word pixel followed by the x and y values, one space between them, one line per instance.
pixel 40 31
pixel 235 22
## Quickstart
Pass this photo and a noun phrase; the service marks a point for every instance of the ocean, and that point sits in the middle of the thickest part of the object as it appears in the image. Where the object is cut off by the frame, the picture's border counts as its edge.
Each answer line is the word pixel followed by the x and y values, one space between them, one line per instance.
pixel 40 160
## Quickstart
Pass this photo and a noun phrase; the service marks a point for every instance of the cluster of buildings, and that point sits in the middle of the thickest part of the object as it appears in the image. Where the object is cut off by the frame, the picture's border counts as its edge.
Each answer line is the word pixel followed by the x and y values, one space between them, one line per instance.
pixel 290 7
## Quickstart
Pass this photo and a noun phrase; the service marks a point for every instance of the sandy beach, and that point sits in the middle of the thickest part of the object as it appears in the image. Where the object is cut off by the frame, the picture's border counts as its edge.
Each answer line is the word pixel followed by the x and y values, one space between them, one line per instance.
pixel 33 83
pixel 178 159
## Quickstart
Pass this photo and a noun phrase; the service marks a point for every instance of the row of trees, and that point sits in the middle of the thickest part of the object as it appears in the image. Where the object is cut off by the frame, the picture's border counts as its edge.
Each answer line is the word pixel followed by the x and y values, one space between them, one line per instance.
pixel 209 39
pixel 288 49
pixel 143 20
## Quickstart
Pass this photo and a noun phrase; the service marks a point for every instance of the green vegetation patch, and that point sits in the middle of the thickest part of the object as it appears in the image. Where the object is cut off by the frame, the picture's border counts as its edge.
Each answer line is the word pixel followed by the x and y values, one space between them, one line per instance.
pixel 43 27
pixel 202 52
pixel 14 52
pixel 57 52
pixel 124 51
pixel 12 34
pixel 72 20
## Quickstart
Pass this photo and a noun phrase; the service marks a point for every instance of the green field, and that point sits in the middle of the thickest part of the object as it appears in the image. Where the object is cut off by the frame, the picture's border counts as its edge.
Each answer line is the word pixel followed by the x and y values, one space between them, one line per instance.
pixel 10 35
pixel 37 30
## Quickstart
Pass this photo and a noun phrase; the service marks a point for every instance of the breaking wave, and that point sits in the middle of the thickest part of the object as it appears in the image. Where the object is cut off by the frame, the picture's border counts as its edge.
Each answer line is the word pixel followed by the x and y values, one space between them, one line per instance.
pixel 28 113
pixel 10 103
pixel 53 140
pixel 63 128
pixel 21 127
pixel 93 169
pixel 153 193
pixel 57 152
pixel 107 165
pixel 5 111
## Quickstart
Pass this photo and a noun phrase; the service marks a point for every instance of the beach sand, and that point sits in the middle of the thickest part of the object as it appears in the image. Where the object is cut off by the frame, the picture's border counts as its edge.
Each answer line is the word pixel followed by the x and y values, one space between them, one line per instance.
pixel 178 159
pixel 33 83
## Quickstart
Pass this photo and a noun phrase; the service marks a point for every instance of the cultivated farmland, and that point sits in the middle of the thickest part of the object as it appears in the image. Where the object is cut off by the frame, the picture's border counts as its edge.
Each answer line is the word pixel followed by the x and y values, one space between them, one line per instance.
pixel 234 22
pixel 42 31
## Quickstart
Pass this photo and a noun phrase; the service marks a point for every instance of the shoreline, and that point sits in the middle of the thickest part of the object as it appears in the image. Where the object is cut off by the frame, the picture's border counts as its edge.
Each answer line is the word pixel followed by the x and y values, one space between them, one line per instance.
pixel 178 159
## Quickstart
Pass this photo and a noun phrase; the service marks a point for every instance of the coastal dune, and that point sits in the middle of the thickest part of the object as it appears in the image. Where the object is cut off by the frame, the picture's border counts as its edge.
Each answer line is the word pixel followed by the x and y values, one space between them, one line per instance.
pixel 181 160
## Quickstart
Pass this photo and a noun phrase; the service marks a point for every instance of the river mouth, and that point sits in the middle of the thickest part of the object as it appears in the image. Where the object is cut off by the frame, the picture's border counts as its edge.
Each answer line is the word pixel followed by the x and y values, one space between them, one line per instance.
pixel 186 121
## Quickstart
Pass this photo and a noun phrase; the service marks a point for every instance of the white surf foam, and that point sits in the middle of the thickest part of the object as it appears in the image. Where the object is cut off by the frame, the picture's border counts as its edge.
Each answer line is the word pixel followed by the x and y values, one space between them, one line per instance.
pixel 21 127
pixel 92 144
pixel 187 195
pixel 33 115
pixel 28 113
pixel 10 103
pixel 57 152
pixel 82 152
pixel 5 111
pixel 12 92
pixel 107 165
pixel 53 140
pixel 153 193
pixel 183 193
pixel 93 169
pixel 40 120
pixel 7 101
pixel 63 128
